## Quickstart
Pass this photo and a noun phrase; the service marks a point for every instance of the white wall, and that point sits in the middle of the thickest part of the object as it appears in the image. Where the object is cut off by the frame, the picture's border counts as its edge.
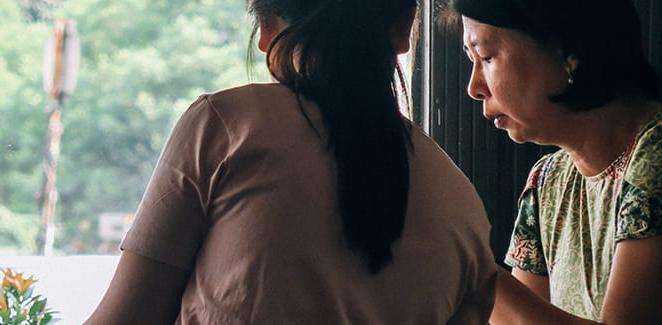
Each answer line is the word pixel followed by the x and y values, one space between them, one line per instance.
pixel 73 285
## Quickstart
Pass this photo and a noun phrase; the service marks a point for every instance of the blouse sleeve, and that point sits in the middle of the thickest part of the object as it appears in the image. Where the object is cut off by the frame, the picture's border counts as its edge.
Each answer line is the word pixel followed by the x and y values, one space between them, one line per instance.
pixel 526 251
pixel 640 209
pixel 171 220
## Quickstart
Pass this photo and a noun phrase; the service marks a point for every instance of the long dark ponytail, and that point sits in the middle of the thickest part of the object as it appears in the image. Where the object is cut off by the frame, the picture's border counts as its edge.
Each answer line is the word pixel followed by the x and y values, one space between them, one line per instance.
pixel 339 53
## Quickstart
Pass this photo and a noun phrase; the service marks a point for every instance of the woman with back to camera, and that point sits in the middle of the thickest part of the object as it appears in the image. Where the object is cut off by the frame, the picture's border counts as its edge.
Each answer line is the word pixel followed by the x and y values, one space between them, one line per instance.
pixel 571 73
pixel 310 200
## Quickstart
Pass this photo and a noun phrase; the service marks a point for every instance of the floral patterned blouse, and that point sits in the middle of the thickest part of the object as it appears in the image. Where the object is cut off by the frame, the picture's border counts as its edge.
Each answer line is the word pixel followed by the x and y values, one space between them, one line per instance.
pixel 568 225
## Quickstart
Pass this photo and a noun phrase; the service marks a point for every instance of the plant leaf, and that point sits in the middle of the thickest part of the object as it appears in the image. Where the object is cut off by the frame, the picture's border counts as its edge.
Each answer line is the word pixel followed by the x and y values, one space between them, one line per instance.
pixel 4 316
pixel 37 307
pixel 28 292
pixel 48 318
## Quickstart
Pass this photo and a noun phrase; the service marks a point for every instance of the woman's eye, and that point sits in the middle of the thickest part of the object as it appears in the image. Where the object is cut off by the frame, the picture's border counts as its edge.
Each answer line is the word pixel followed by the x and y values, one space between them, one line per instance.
pixel 487 59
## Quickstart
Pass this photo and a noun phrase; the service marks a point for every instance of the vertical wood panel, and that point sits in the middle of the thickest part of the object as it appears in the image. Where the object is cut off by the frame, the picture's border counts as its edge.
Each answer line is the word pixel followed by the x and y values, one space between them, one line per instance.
pixel 655 37
pixel 449 97
pixel 438 80
pixel 466 132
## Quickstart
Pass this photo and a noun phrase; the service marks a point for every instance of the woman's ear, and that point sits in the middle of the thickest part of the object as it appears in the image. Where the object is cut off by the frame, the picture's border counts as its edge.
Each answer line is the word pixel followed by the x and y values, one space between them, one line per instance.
pixel 401 31
pixel 270 27
pixel 571 63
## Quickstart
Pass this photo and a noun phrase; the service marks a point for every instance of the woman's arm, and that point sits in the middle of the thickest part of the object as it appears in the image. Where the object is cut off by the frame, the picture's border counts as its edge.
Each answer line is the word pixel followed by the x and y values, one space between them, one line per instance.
pixel 539 284
pixel 517 304
pixel 634 292
pixel 143 291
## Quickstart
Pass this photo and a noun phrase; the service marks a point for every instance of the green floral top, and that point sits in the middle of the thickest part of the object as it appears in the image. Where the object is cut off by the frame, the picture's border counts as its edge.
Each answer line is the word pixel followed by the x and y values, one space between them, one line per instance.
pixel 568 224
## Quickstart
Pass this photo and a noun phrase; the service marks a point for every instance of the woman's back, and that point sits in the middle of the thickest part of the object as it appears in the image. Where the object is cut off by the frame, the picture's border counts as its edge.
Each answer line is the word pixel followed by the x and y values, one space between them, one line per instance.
pixel 260 185
pixel 266 208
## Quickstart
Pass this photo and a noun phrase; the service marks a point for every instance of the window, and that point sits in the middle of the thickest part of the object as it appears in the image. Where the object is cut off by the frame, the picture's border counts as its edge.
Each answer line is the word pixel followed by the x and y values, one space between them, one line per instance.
pixel 142 63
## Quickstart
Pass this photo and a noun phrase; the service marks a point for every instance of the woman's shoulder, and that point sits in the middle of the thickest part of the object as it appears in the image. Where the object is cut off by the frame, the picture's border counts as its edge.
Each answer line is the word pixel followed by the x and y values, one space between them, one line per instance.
pixel 249 95
pixel 640 211
pixel 269 105
pixel 210 105
pixel 651 133
pixel 248 90
pixel 546 167
pixel 645 167
pixel 432 170
pixel 225 114
pixel 427 152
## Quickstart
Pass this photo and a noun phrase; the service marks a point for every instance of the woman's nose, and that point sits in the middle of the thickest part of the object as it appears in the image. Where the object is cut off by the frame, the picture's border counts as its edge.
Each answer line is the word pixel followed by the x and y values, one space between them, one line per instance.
pixel 477 88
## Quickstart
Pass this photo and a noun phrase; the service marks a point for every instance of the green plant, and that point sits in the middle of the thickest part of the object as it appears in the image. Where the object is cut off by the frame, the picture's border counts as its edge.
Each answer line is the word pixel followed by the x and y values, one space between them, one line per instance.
pixel 18 306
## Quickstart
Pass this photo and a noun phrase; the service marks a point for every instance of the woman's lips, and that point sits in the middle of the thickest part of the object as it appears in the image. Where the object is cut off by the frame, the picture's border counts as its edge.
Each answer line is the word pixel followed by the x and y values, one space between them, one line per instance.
pixel 499 121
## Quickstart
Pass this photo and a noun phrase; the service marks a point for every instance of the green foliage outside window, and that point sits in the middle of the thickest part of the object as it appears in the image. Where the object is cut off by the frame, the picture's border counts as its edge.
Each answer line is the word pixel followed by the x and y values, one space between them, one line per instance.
pixel 142 63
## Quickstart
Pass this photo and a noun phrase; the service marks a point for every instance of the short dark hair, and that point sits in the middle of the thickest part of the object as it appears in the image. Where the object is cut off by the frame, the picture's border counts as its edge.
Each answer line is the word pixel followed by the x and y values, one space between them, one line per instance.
pixel 603 35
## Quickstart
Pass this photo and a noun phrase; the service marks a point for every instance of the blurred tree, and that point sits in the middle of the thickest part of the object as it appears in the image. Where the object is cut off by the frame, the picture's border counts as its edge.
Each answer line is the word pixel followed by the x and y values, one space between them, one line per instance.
pixel 37 10
pixel 17 232
pixel 143 62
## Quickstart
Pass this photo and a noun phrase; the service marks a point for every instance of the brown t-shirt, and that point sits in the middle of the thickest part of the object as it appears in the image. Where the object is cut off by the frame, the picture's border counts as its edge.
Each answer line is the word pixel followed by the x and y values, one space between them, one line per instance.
pixel 244 196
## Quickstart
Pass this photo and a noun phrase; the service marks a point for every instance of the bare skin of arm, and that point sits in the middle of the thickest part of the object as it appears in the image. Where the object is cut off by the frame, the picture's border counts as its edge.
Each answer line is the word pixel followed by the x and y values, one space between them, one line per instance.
pixel 518 304
pixel 143 291
pixel 633 293
pixel 539 284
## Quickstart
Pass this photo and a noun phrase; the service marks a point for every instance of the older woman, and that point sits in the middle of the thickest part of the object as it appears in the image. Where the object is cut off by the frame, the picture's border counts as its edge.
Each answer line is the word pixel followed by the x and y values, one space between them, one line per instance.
pixel 571 73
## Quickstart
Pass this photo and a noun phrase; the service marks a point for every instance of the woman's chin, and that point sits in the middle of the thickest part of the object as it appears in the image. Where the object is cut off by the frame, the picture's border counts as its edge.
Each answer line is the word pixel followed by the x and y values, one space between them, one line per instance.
pixel 516 136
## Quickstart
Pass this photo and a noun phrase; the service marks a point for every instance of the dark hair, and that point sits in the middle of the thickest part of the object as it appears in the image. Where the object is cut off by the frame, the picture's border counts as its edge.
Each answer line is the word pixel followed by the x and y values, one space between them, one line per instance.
pixel 603 35
pixel 339 54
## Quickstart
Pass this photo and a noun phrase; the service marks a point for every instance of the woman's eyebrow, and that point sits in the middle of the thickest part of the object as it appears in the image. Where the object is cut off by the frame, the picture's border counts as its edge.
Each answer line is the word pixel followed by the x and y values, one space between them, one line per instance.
pixel 472 44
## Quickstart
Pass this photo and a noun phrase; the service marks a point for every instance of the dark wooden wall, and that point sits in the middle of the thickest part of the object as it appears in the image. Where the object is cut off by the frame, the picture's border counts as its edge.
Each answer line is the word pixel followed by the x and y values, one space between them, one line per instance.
pixel 496 165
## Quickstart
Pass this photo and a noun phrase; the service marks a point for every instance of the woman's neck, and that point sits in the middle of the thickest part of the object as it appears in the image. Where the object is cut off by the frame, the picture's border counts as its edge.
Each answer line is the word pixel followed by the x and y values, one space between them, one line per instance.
pixel 596 138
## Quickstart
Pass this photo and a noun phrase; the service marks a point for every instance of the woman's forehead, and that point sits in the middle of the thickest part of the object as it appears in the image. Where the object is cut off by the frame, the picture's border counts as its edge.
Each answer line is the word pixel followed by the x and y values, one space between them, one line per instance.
pixel 477 34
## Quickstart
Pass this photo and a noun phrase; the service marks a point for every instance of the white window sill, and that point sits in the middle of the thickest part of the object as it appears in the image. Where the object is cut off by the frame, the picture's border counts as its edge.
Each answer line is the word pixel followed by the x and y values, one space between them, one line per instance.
pixel 74 285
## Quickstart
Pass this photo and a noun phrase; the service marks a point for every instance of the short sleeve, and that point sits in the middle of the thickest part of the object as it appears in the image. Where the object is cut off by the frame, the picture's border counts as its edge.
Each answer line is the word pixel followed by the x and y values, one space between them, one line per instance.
pixel 526 251
pixel 171 220
pixel 640 209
